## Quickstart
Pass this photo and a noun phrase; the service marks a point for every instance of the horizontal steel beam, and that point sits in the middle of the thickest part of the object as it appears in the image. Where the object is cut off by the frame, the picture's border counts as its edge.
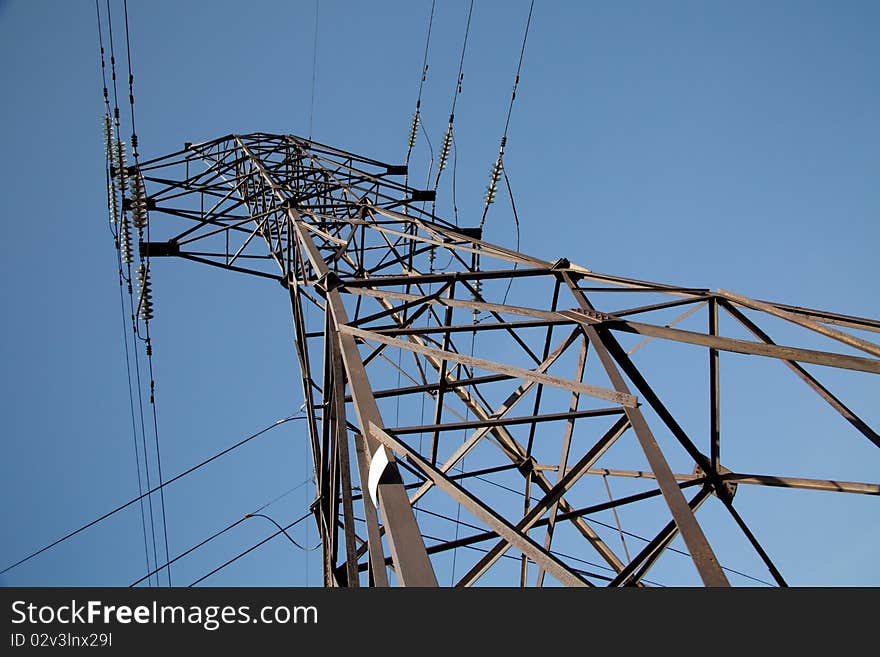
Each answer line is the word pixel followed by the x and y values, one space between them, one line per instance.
pixel 506 421
pixel 518 372
pixel 828 359
pixel 829 485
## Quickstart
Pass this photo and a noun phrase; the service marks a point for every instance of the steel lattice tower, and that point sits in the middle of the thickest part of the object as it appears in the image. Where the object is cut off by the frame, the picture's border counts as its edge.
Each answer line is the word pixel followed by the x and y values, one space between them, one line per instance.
pixel 512 365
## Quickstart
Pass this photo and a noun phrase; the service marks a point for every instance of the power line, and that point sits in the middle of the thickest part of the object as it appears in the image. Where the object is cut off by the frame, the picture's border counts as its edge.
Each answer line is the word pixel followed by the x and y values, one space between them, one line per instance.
pixel 516 223
pixel 134 139
pixel 124 249
pixel 314 70
pixel 616 517
pixel 189 551
pixel 251 549
pixel 111 209
pixel 284 494
pixel 219 533
pixel 284 531
pixel 124 243
pixel 462 464
pixel 137 370
pixel 144 304
pixel 133 421
pixel 498 167
pixel 522 53
pixel 447 137
pixel 151 491
pixel 416 119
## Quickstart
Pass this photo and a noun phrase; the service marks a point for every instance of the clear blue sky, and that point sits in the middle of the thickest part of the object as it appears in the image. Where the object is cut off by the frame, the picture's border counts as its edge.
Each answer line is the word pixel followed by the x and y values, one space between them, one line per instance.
pixel 712 144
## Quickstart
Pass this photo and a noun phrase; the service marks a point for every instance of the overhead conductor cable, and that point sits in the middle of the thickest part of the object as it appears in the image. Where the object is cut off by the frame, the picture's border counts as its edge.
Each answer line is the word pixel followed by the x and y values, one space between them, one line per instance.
pixel 498 171
pixel 498 167
pixel 448 137
pixel 113 215
pixel 145 303
pixel 417 116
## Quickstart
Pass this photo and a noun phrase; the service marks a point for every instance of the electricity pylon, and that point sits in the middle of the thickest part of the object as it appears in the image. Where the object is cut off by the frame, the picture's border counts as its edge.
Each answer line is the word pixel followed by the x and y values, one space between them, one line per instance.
pixel 447 373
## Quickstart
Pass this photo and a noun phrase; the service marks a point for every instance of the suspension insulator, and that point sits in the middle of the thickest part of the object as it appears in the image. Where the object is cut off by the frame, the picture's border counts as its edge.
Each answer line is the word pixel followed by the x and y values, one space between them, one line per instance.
pixel 413 129
pixel 145 305
pixel 121 171
pixel 108 140
pixel 444 149
pixel 111 204
pixel 494 177
pixel 432 256
pixel 111 164
pixel 125 239
pixel 138 203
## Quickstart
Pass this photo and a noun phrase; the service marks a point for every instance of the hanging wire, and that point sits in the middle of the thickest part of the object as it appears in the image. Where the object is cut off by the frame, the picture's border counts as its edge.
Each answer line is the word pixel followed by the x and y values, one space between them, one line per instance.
pixel 498 166
pixel 416 118
pixel 124 258
pixel 131 407
pixel 314 71
pixel 498 171
pixel 134 138
pixel 149 492
pixel 145 303
pixel 127 259
pixel 616 517
pixel 218 533
pixel 461 469
pixel 252 548
pixel 454 180
pixel 516 223
pixel 280 497
pixel 447 137
pixel 282 530
pixel 189 551
pixel 113 215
